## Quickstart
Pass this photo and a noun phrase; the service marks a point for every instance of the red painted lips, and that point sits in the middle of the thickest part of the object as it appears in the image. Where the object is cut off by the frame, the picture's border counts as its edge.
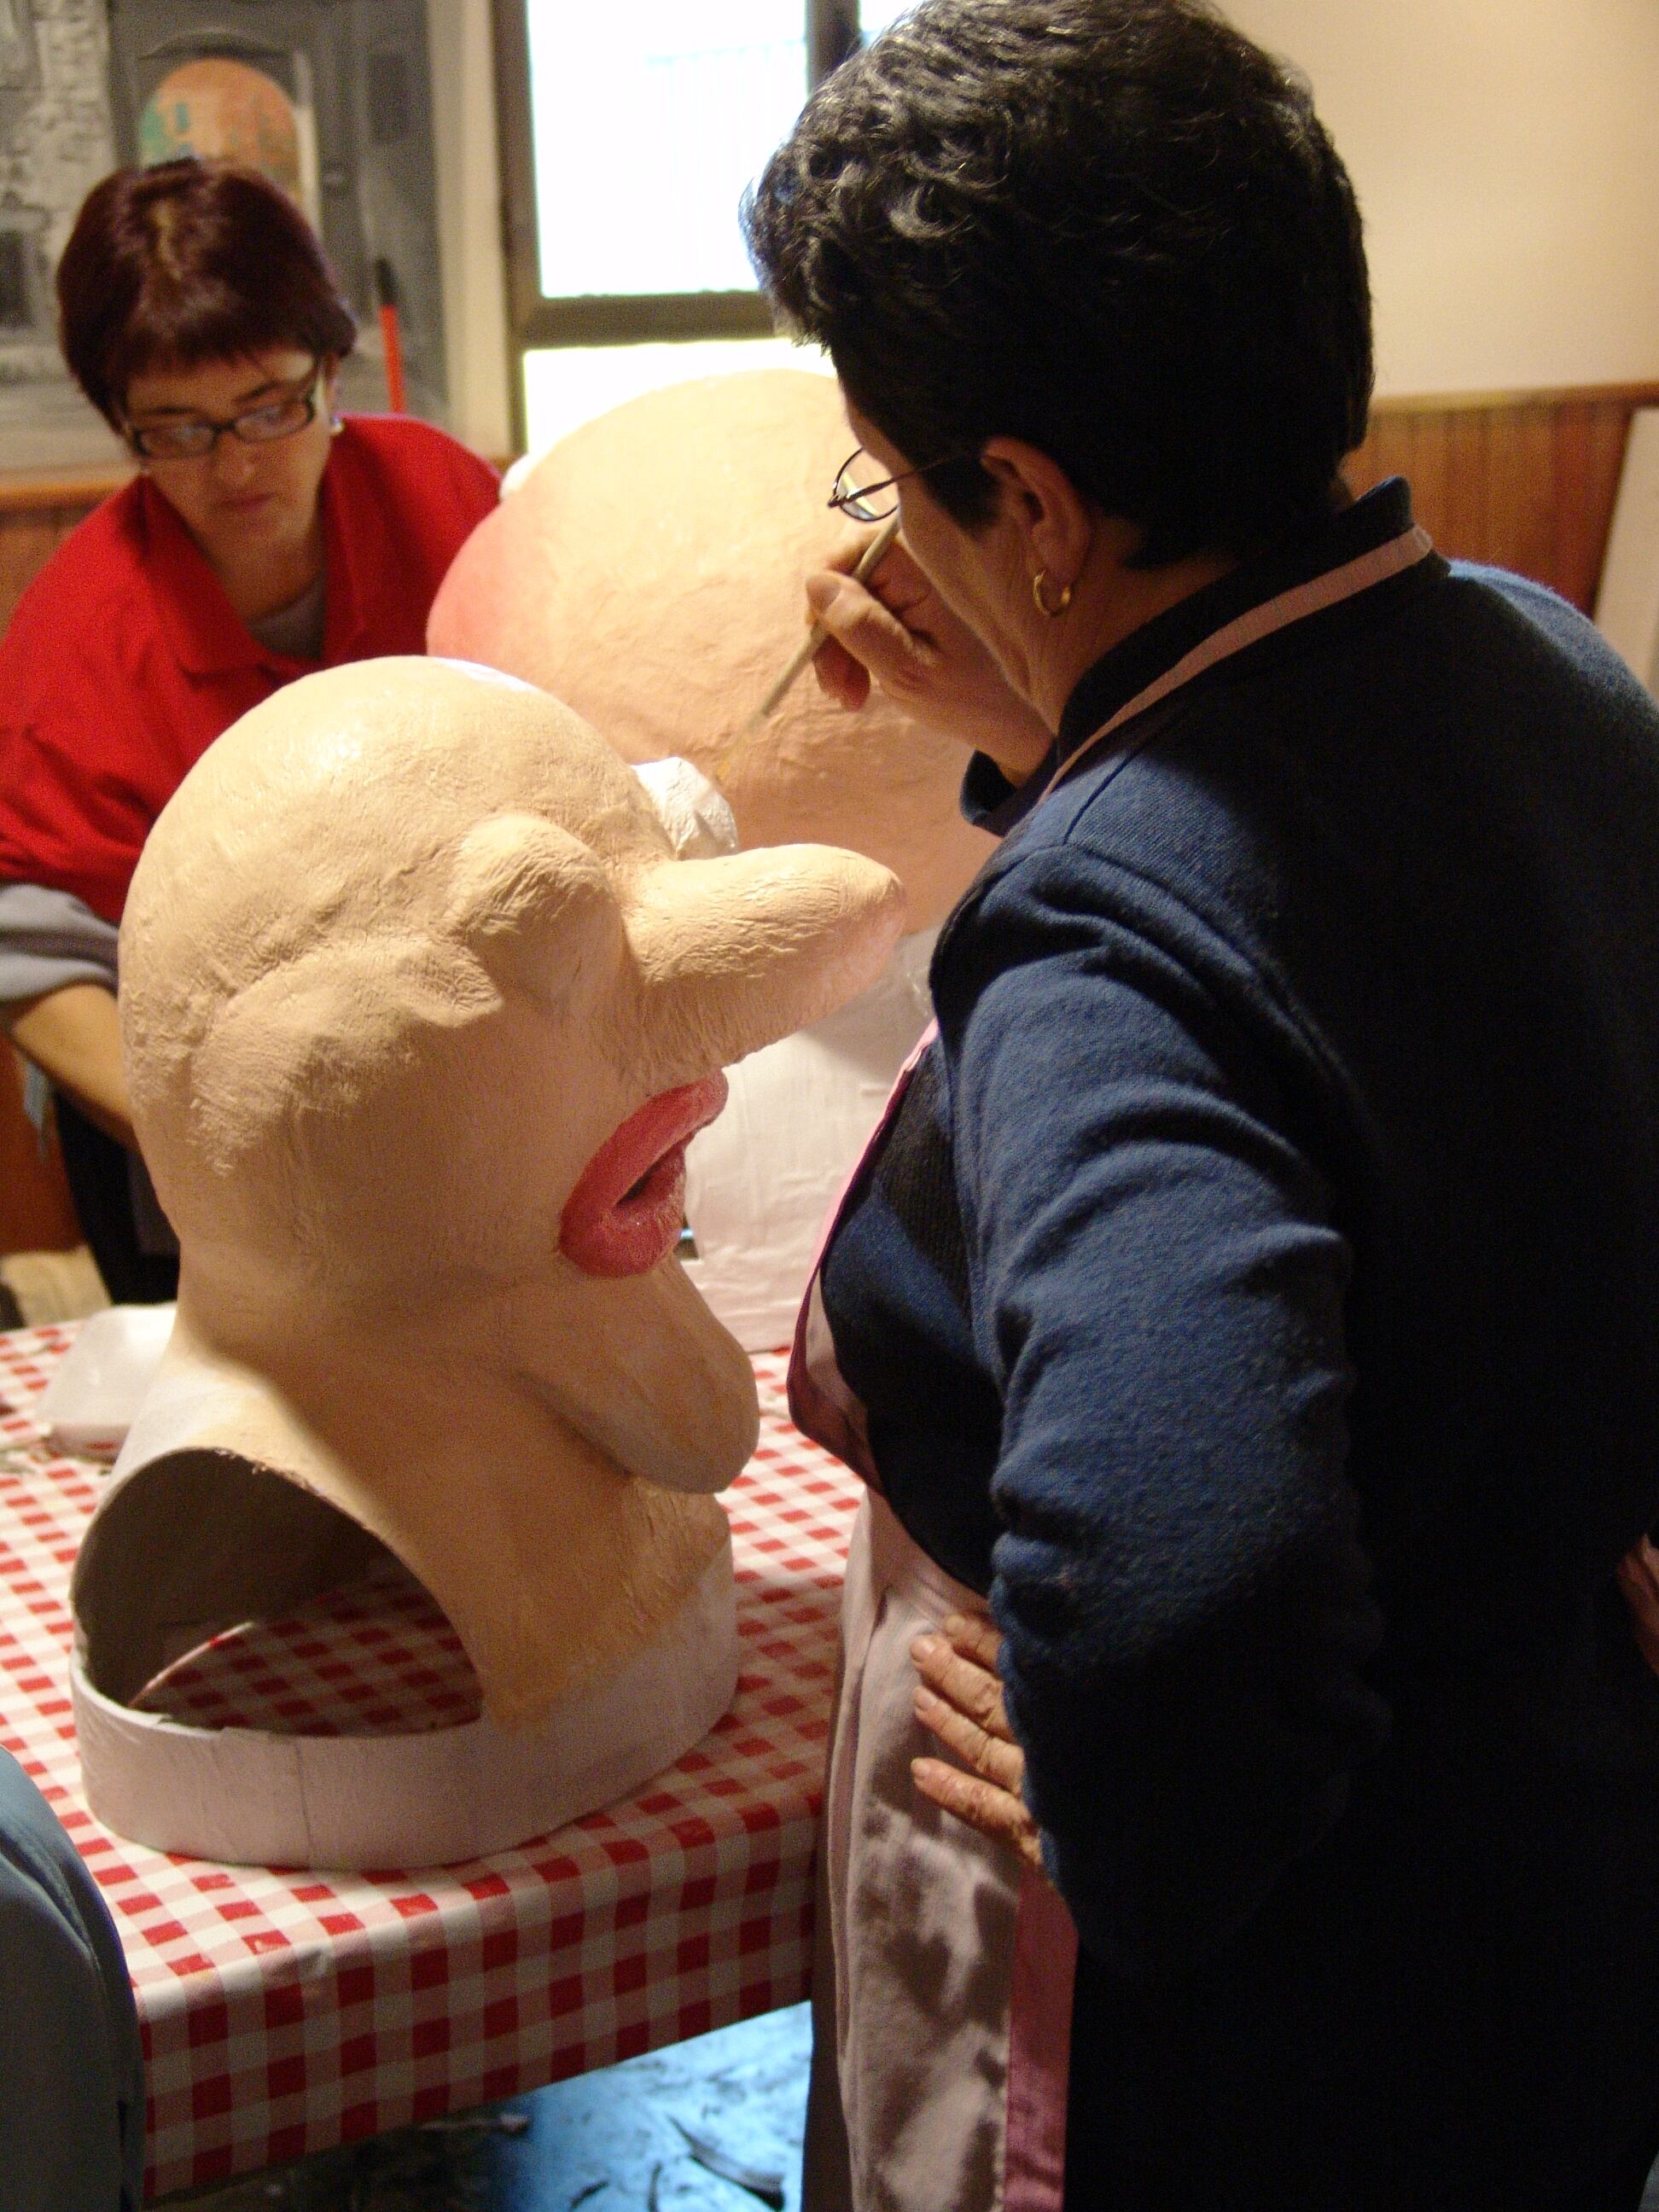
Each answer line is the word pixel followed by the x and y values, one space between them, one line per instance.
pixel 625 1212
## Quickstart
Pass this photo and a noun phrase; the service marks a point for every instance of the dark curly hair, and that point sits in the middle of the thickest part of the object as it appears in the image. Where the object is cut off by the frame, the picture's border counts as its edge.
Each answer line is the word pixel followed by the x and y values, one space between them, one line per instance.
pixel 186 262
pixel 1115 228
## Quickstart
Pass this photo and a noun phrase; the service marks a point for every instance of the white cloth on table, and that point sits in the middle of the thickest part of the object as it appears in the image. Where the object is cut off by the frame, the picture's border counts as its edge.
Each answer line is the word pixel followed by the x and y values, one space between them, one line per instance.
pixel 759 1181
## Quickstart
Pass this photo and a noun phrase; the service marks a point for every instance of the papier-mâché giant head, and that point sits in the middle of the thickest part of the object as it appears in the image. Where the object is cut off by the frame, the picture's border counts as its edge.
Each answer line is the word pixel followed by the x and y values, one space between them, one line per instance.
pixel 420 1008
pixel 408 925
pixel 649 570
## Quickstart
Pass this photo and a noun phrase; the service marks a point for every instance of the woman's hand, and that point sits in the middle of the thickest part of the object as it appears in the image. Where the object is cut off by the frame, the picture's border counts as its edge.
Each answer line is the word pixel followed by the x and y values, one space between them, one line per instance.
pixel 959 1699
pixel 898 632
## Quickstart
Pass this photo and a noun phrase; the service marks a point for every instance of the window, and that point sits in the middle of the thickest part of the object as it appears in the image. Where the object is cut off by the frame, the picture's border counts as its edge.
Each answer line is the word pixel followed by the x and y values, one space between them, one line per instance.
pixel 629 135
pixel 646 123
pixel 875 16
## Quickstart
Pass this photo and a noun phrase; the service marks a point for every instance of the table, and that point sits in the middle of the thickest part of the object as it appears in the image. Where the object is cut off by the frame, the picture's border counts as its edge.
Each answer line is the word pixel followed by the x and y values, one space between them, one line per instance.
pixel 285 2011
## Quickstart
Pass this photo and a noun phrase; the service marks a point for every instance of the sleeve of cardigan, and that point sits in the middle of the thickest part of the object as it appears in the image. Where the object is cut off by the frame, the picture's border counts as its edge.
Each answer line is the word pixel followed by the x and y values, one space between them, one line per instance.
pixel 1158 1293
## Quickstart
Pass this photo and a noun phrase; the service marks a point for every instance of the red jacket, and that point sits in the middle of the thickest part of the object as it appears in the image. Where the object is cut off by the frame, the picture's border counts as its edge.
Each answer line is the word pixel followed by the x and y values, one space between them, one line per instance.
pixel 125 659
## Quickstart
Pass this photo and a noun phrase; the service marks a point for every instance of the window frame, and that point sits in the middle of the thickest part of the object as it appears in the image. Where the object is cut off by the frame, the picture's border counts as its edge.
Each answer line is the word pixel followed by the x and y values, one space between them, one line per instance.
pixel 535 320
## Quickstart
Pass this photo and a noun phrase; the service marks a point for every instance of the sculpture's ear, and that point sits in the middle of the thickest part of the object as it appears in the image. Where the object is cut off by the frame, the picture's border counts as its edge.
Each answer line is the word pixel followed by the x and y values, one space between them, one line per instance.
pixel 308 1041
pixel 536 909
pixel 736 952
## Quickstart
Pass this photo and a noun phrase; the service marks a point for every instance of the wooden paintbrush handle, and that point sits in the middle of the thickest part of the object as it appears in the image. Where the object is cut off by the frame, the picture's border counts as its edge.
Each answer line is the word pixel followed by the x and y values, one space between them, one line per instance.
pixel 869 561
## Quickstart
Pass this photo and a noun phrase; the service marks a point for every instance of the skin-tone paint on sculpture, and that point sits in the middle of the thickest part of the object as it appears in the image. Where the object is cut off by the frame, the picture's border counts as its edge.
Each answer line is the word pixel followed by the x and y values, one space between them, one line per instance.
pixel 411 978
pixel 648 571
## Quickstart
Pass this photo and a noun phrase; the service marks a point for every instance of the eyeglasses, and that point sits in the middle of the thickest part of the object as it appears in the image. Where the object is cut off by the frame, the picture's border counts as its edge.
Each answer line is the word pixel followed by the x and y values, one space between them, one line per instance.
pixel 870 502
pixel 260 426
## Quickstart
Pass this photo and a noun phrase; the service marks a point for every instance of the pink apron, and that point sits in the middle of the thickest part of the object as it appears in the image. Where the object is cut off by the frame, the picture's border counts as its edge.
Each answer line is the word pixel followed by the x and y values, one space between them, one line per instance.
pixel 942 1991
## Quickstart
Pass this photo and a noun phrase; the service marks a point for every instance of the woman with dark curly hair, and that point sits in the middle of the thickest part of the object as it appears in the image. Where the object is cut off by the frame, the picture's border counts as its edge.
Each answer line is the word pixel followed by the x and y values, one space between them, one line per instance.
pixel 263 536
pixel 1246 1319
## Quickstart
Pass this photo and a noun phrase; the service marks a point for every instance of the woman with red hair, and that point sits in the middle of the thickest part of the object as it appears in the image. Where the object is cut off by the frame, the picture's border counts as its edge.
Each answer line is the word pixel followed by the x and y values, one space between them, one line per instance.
pixel 264 537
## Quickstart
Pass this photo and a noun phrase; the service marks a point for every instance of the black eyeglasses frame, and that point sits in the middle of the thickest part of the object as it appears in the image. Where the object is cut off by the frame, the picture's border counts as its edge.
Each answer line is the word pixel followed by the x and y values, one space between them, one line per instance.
pixel 304 391
pixel 854 502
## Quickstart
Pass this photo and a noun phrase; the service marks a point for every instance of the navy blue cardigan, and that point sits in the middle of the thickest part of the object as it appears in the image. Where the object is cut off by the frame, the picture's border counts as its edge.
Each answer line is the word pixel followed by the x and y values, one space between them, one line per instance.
pixel 1259 1299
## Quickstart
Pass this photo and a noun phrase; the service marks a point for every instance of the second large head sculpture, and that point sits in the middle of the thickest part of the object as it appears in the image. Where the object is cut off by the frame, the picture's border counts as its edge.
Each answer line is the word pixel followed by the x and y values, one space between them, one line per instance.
pixel 420 1008
pixel 649 571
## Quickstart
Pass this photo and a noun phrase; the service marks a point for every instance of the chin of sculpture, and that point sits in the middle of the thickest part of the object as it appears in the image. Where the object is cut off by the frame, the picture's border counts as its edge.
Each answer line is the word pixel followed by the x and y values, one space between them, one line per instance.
pixel 649 569
pixel 421 1008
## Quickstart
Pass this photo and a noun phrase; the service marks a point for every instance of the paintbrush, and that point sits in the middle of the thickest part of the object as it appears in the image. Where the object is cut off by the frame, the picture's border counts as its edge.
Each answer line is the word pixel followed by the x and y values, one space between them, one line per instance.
pixel 869 561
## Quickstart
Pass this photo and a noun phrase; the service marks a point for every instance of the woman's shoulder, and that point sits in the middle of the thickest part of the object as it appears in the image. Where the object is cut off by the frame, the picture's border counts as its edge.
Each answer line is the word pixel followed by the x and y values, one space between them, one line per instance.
pixel 420 463
pixel 1128 831
pixel 404 498
pixel 1137 867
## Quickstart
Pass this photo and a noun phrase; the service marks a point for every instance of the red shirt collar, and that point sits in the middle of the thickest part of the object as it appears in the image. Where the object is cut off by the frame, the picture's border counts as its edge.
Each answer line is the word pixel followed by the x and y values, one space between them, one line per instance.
pixel 206 635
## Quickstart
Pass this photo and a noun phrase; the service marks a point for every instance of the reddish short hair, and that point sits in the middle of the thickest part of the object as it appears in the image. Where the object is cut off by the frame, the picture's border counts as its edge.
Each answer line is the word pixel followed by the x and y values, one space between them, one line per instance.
pixel 187 261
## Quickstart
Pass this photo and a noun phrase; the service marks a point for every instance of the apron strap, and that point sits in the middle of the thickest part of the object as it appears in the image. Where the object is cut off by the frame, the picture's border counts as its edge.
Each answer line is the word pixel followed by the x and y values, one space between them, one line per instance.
pixel 1039 2048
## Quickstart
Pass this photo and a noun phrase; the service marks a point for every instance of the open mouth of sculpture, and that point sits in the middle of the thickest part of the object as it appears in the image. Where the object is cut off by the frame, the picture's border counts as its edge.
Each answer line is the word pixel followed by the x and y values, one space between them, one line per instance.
pixel 626 1210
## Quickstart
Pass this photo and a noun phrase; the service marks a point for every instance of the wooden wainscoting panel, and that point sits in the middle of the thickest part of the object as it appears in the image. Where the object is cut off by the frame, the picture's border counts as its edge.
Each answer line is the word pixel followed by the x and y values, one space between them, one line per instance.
pixel 1592 440
pixel 1419 448
pixel 36 515
pixel 1468 480
pixel 1582 439
pixel 1526 494
pixel 1524 480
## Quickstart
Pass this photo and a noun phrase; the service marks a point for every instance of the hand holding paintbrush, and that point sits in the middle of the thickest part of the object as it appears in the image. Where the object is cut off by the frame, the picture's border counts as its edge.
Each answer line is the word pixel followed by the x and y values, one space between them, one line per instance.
pixel 810 645
pixel 919 654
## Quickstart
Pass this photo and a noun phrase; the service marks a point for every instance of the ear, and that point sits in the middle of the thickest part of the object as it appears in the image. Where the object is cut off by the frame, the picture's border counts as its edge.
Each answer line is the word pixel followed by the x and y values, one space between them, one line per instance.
pixel 1057 522
pixel 308 1041
pixel 734 953
pixel 535 907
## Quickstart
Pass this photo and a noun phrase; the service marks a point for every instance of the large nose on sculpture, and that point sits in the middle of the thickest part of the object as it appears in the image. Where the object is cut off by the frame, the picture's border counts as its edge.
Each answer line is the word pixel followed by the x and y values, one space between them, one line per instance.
pixel 733 953
pixel 730 954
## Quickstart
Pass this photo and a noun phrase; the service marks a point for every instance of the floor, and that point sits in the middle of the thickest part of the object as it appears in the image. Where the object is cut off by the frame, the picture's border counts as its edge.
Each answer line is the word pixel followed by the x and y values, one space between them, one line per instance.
pixel 713 2125
pixel 657 2134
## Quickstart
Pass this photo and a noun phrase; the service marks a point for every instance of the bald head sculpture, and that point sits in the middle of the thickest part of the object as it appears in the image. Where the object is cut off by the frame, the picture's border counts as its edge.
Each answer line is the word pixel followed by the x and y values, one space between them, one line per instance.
pixel 648 571
pixel 420 1009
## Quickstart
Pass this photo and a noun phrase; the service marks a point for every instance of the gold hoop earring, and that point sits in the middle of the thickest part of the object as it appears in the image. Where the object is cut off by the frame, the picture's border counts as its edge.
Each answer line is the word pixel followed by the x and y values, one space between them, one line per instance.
pixel 1043 605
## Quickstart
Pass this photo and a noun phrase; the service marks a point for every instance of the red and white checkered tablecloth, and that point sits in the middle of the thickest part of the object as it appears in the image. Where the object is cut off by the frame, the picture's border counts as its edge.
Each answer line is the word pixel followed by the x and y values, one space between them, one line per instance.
pixel 284 2013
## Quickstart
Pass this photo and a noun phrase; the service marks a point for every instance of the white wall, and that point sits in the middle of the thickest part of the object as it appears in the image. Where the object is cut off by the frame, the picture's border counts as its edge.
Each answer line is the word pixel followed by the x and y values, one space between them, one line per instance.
pixel 1506 157
pixel 468 221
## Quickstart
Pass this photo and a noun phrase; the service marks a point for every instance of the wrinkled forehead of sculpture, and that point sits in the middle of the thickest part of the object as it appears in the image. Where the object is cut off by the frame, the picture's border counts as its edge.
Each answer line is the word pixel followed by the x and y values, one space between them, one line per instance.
pixel 408 943
pixel 649 571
